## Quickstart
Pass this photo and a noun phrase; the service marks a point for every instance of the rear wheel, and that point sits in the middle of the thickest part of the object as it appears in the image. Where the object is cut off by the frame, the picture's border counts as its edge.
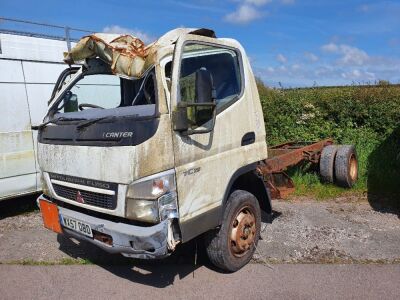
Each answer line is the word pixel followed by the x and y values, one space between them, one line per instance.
pixel 232 245
pixel 346 166
pixel 327 163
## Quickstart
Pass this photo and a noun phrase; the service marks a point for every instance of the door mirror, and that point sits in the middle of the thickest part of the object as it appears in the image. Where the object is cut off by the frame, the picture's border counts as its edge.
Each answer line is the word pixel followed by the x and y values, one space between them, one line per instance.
pixel 188 118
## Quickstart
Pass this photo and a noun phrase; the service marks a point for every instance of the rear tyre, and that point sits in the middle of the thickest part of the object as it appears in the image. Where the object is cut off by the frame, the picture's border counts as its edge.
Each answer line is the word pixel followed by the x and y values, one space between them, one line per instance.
pixel 346 166
pixel 232 245
pixel 327 163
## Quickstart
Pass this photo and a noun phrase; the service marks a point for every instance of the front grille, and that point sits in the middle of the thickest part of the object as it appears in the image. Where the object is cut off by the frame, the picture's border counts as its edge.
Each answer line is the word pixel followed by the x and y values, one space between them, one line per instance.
pixel 90 198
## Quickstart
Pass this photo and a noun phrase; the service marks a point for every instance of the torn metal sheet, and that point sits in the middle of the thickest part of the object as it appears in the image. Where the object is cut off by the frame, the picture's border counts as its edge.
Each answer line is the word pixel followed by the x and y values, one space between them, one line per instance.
pixel 125 53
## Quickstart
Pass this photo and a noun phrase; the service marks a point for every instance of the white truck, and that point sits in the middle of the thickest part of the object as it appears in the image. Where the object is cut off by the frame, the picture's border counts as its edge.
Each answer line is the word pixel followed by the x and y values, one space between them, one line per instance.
pixel 139 164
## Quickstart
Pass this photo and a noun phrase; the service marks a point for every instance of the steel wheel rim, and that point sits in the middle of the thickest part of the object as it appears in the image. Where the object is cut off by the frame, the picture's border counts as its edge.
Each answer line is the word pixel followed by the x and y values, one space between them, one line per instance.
pixel 242 232
pixel 353 168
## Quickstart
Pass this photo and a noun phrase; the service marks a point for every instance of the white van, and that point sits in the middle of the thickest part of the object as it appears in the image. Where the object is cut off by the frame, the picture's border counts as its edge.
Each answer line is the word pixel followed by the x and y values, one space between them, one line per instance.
pixel 29 67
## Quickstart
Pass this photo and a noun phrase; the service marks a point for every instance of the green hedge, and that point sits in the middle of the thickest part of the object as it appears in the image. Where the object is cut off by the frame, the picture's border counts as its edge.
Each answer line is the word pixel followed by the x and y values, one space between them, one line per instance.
pixel 368 117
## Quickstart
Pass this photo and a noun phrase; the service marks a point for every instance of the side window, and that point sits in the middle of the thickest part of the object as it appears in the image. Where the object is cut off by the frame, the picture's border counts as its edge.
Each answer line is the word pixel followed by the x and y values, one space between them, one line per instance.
pixel 222 63
pixel 168 74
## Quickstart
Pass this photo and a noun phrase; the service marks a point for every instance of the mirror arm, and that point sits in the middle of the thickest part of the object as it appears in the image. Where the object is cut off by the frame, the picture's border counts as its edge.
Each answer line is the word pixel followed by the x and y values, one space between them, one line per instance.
pixel 179 117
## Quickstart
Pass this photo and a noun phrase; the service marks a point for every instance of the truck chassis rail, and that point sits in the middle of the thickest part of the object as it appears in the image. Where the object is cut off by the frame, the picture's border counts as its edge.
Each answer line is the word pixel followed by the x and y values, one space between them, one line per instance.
pixel 281 157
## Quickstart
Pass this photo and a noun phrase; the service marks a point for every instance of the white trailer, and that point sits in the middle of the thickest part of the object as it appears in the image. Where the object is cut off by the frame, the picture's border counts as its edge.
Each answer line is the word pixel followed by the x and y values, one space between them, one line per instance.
pixel 29 67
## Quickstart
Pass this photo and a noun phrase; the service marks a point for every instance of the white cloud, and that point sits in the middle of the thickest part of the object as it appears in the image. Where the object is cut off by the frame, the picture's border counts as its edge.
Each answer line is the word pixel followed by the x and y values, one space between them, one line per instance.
pixel 249 10
pixel 311 56
pixel 357 74
pixel 244 14
pixel 331 47
pixel 350 55
pixel 145 37
pixel 281 58
pixel 353 55
pixel 257 2
pixel 296 67
pixel 339 65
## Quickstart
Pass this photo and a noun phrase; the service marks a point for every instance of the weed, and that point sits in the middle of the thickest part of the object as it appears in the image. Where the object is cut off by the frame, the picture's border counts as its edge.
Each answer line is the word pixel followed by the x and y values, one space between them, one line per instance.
pixel 368 117
pixel 63 261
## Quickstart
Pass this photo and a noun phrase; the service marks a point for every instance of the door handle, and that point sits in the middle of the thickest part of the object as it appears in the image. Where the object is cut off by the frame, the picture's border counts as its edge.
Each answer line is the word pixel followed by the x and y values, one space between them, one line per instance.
pixel 248 138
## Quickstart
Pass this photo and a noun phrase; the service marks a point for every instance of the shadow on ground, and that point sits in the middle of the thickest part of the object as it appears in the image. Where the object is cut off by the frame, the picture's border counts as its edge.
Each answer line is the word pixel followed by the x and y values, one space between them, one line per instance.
pixel 17 206
pixel 384 175
pixel 183 262
pixel 157 273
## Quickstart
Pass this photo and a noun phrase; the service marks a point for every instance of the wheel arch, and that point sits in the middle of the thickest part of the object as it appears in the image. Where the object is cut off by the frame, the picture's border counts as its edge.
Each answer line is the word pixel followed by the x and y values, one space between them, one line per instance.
pixel 243 178
pixel 247 179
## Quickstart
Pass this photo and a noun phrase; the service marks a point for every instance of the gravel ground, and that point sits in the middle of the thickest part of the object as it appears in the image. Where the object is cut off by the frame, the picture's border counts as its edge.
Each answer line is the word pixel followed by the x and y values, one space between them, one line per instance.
pixel 303 231
pixel 331 231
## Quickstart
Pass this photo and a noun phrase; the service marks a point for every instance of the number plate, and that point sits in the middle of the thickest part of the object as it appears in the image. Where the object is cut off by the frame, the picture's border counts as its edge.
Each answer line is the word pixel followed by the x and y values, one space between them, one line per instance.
pixel 77 226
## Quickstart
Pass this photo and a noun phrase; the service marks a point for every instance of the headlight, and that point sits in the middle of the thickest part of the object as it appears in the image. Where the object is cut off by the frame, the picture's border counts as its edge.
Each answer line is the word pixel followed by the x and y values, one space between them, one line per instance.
pixel 152 199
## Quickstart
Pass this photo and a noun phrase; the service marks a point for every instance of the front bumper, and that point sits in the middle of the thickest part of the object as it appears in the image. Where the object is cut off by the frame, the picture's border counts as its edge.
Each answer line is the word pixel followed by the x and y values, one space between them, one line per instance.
pixel 128 240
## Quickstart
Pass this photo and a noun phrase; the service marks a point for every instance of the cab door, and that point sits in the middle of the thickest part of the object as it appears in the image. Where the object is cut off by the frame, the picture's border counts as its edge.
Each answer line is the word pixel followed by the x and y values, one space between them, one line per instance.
pixel 206 161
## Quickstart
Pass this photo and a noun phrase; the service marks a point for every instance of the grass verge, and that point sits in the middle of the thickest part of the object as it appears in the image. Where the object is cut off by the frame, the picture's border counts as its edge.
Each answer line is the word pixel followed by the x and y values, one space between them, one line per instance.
pixel 64 261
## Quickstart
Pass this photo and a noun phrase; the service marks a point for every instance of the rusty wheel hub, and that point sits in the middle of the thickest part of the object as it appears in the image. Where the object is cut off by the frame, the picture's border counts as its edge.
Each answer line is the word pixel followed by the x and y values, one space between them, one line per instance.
pixel 243 231
pixel 353 168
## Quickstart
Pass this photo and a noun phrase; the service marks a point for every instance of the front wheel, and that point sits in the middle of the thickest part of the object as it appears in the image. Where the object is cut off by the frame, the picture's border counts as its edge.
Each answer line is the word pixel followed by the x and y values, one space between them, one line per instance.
pixel 232 245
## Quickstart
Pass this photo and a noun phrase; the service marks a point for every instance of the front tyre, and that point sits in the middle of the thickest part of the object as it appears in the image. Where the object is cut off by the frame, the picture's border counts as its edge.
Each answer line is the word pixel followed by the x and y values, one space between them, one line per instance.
pixel 232 245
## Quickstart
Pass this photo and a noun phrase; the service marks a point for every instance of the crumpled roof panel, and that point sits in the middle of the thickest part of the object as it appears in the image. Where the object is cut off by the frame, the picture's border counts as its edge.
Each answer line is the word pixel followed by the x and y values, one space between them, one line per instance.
pixel 125 54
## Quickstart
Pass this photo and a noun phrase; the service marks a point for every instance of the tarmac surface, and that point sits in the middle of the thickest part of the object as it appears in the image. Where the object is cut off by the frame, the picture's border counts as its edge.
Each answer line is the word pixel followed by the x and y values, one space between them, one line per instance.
pixel 255 281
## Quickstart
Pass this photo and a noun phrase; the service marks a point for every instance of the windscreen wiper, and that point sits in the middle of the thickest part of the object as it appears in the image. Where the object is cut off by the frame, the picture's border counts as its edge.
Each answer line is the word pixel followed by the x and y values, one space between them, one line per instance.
pixel 54 121
pixel 92 121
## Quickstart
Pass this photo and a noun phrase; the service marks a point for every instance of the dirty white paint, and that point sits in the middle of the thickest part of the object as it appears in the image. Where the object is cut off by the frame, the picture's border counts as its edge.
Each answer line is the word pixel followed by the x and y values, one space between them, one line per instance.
pixel 122 165
pixel 112 164
pixel 25 88
pixel 218 154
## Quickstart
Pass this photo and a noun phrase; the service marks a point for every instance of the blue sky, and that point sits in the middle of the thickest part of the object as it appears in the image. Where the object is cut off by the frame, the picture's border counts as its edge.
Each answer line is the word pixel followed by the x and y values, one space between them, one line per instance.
pixel 289 42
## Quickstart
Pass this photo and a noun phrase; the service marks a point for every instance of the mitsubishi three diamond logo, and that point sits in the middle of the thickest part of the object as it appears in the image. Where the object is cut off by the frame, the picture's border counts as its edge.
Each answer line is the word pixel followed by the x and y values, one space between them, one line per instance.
pixel 79 197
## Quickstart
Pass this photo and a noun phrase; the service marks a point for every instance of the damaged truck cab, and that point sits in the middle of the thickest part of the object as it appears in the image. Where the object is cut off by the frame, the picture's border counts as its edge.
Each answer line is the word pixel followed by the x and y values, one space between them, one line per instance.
pixel 141 151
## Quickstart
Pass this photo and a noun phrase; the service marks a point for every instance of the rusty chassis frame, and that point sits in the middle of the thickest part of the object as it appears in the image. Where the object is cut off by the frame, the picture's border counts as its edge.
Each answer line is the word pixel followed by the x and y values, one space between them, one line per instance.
pixel 286 155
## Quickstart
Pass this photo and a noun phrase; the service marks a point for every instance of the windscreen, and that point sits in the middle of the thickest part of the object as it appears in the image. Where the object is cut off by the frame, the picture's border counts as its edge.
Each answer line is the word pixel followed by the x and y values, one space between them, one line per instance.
pixel 95 92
